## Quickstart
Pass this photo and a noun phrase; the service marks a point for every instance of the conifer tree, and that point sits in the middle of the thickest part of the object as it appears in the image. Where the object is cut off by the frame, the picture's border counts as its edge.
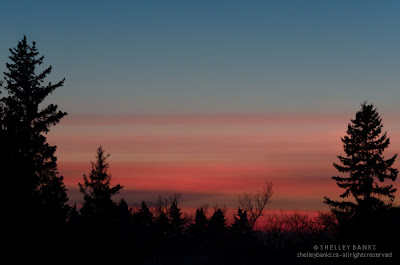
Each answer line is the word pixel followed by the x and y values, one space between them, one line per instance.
pixel 367 167
pixel 161 226
pixel 73 216
pixel 123 213
pixel 199 226
pixel 143 217
pixel 122 225
pixel 176 221
pixel 143 233
pixel 217 223
pixel 241 223
pixel 98 205
pixel 53 200
pixel 217 233
pixel 28 161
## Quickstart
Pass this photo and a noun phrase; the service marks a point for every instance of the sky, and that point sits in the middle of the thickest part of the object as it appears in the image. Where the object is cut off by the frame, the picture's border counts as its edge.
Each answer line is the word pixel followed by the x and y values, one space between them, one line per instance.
pixel 209 98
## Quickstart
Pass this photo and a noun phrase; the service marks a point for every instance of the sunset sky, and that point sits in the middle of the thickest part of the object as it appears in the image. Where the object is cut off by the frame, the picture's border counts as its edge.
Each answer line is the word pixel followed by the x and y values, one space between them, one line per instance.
pixel 209 98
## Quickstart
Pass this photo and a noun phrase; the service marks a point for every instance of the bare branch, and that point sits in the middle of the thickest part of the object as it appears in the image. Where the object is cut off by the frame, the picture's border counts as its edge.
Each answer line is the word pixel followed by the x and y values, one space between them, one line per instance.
pixel 255 203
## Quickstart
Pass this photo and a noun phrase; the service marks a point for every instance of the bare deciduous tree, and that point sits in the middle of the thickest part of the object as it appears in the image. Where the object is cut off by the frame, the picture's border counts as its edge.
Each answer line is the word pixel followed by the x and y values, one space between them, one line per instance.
pixel 162 204
pixel 255 203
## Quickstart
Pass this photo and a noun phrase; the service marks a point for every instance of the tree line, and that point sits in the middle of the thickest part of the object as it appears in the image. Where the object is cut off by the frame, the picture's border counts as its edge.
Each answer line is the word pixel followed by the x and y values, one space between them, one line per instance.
pixel 37 207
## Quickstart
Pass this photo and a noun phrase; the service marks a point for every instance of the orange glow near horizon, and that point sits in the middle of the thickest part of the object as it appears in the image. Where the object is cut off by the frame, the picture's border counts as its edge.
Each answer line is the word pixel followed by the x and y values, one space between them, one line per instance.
pixel 221 155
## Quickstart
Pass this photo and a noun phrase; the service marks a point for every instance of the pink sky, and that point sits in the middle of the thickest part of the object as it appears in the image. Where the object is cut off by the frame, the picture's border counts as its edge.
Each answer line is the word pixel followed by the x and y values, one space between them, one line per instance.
pixel 211 158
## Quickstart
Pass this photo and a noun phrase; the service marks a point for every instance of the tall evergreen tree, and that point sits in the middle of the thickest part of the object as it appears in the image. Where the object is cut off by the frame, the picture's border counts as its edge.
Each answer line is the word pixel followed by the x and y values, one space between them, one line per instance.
pixel 28 161
pixel 367 168
pixel 98 205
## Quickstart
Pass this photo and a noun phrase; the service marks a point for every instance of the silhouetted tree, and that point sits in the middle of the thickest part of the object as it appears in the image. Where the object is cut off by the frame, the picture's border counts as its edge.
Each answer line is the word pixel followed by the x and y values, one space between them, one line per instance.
pixel 122 224
pixel 217 233
pixel 161 226
pixel 164 203
pixel 295 231
pixel 255 203
pixel 53 200
pixel 73 228
pixel 143 229
pixel 366 166
pixel 241 224
pixel 217 223
pixel 143 217
pixel 176 220
pixel 98 205
pixel 28 162
pixel 200 224
pixel 2 127
pixel 123 214
pixel 73 215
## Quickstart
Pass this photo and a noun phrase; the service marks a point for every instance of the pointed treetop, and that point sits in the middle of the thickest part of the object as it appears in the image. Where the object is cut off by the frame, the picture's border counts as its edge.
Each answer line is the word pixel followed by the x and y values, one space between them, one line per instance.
pixel 364 162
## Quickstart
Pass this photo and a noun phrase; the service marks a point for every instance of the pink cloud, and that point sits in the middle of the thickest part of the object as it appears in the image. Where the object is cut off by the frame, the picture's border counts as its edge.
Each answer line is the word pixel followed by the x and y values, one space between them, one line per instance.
pixel 219 154
pixel 204 119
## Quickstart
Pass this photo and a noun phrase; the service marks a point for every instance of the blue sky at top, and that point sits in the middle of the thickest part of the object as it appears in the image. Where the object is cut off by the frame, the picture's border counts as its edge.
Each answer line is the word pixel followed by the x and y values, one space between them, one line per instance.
pixel 213 56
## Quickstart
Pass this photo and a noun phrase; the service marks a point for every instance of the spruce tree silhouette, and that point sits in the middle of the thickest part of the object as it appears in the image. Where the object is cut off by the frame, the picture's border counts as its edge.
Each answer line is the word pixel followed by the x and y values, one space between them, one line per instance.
pixel 54 199
pixel 143 218
pixel 143 227
pixel 2 127
pixel 242 238
pixel 122 225
pixel 368 170
pixel 98 209
pixel 217 225
pixel 162 233
pixel 98 205
pixel 217 233
pixel 74 228
pixel 73 216
pixel 176 220
pixel 28 162
pixel 199 227
pixel 123 214
pixel 241 224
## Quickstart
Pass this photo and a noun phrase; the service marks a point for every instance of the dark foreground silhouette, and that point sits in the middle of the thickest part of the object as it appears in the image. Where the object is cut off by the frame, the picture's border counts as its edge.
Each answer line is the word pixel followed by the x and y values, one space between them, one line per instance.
pixel 37 217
